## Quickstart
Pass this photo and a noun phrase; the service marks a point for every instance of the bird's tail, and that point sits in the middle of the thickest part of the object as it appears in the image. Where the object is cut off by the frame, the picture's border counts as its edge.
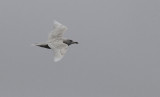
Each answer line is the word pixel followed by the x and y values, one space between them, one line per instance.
pixel 44 45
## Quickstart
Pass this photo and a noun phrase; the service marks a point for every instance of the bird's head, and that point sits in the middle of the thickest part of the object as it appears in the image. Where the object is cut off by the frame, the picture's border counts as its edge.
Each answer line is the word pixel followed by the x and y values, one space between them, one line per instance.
pixel 69 42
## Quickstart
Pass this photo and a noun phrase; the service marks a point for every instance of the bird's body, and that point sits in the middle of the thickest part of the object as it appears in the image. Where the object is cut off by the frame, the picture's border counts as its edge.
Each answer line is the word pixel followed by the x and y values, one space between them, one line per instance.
pixel 56 42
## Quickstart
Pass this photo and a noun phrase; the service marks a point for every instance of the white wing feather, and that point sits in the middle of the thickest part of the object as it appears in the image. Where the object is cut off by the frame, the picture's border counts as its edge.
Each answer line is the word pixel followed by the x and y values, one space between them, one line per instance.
pixel 59 49
pixel 58 31
pixel 56 41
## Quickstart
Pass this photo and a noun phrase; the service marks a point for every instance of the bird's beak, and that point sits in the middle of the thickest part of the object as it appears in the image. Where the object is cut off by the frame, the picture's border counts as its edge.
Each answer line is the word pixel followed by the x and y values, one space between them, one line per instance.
pixel 74 42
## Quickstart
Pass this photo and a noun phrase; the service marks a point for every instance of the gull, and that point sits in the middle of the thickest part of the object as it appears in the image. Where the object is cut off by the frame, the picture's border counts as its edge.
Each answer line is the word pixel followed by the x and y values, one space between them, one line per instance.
pixel 56 42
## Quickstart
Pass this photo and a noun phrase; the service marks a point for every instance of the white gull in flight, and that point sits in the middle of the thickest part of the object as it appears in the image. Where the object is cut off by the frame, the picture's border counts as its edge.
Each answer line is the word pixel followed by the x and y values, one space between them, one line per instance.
pixel 56 42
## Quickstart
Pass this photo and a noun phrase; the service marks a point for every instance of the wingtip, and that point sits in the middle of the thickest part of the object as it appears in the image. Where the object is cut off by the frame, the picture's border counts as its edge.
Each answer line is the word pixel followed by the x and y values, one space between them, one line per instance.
pixel 57 59
pixel 56 23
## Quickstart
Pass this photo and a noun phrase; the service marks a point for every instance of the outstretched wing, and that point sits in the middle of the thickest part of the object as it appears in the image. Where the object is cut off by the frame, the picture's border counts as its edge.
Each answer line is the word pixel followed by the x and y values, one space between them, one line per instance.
pixel 58 31
pixel 59 50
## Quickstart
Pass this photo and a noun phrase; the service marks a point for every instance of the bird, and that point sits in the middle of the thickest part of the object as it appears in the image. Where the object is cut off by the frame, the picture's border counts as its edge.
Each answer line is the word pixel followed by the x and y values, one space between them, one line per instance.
pixel 57 42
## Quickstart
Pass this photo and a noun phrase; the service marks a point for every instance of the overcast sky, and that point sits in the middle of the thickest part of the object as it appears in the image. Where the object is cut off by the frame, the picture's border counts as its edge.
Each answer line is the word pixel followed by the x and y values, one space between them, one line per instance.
pixel 118 54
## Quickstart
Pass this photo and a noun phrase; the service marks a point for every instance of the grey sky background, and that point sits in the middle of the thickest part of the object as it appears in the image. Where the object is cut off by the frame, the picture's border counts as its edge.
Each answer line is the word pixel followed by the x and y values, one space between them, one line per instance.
pixel 118 54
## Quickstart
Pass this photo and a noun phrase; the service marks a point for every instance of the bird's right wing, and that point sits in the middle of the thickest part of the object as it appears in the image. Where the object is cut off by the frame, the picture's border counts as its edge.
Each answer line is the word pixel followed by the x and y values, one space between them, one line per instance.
pixel 58 31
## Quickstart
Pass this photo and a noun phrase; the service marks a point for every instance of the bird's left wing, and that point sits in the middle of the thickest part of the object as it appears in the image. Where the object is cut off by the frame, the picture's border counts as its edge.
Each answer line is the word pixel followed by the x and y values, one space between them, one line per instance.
pixel 58 31
pixel 59 50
